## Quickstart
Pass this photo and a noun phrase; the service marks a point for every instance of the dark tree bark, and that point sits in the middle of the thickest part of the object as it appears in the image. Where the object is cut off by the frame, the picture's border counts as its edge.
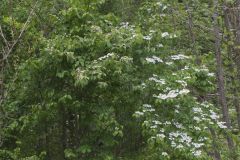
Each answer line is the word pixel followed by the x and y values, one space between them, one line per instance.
pixel 232 66
pixel 1 97
pixel 220 75
pixel 192 36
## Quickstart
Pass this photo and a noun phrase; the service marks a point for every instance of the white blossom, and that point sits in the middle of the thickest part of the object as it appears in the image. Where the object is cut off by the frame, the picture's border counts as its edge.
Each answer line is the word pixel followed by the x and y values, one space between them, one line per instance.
pixel 178 125
pixel 162 130
pixel 162 136
pixel 165 34
pixel 164 7
pixel 183 83
pixel 167 123
pixel 211 74
pixel 197 128
pixel 197 153
pixel 159 3
pixel 106 56
pixel 139 113
pixel 196 119
pixel 173 36
pixel 197 145
pixel 143 85
pixel 147 106
pixel 157 122
pixel 148 38
pixel 213 115
pixel 161 81
pixel 178 57
pixel 197 110
pixel 169 63
pixel 184 91
pixel 124 24
pixel 173 144
pixel 164 154
pixel 221 125
pixel 159 45
pixel 154 59
pixel 188 77
pixel 153 127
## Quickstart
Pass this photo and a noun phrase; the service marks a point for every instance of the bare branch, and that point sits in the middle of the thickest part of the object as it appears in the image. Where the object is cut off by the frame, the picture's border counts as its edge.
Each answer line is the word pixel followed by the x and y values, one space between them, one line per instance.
pixel 21 33
pixel 3 36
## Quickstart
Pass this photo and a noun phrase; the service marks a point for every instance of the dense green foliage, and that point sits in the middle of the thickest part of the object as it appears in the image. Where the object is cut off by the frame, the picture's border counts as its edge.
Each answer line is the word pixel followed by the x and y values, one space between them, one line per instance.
pixel 105 79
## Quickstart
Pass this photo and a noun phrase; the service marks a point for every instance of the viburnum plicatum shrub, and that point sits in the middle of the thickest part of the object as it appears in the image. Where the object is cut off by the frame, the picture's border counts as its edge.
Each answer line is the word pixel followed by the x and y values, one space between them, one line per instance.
pixel 174 120
pixel 176 116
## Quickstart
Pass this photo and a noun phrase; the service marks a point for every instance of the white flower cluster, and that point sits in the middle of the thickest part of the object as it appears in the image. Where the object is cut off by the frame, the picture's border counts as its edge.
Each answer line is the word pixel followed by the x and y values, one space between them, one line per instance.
pixel 80 74
pixel 155 79
pixel 183 83
pixel 181 140
pixel 130 29
pixel 178 125
pixel 205 69
pixel 106 56
pixel 179 57
pixel 197 110
pixel 164 154
pixel 161 5
pixel 159 45
pixel 154 59
pixel 138 113
pixel 178 139
pixel 148 38
pixel 173 36
pixel 148 108
pixel 143 85
pixel 181 137
pixel 124 25
pixel 197 153
pixel 185 68
pixel 160 135
pixel 172 94
pixel 221 125
pixel 212 117
pixel 175 132
pixel 165 34
pixel 169 63
pixel 96 29
pixel 211 74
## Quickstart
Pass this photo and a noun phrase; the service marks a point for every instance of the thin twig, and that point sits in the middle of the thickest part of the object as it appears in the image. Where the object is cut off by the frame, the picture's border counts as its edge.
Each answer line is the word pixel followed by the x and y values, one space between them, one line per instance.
pixel 21 33
pixel 4 39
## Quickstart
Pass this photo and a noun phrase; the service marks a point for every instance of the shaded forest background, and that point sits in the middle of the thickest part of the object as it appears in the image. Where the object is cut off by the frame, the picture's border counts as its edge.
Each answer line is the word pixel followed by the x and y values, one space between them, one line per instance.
pixel 126 79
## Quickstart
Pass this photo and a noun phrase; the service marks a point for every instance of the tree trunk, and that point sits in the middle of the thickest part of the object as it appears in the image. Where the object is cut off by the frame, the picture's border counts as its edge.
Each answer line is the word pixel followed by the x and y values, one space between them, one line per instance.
pixel 1 98
pixel 220 75
pixel 231 52
pixel 191 34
